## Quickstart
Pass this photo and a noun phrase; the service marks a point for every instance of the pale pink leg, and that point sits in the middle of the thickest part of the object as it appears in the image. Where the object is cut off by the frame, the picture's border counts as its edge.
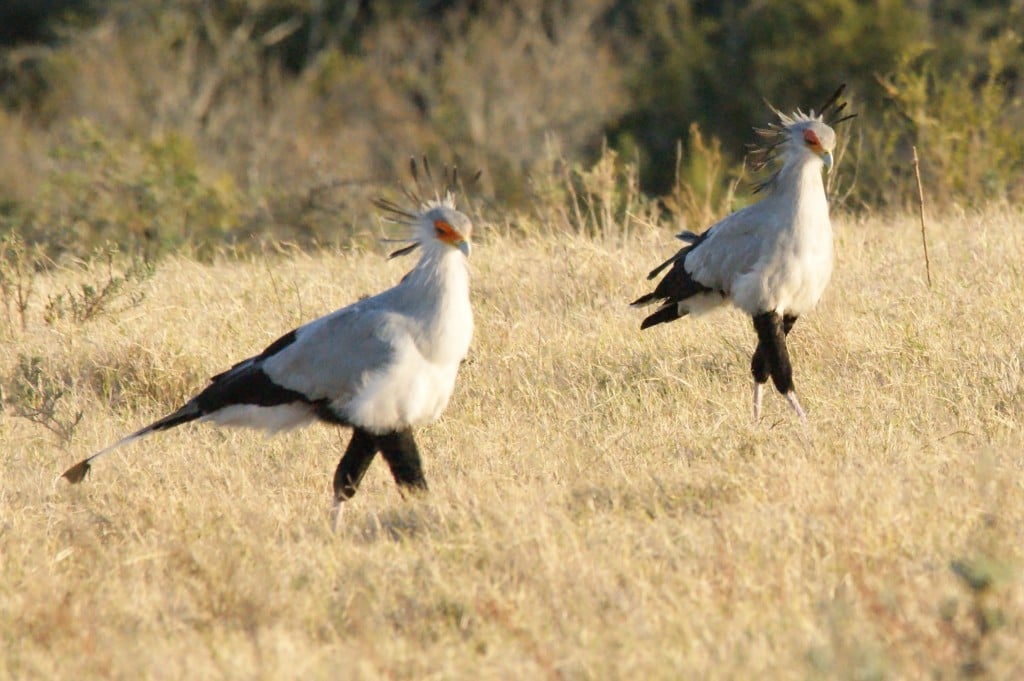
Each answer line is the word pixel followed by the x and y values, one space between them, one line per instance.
pixel 795 403
pixel 337 513
pixel 758 395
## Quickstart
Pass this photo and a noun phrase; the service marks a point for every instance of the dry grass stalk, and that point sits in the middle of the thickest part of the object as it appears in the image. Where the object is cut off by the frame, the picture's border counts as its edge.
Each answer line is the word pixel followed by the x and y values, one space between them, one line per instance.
pixel 920 209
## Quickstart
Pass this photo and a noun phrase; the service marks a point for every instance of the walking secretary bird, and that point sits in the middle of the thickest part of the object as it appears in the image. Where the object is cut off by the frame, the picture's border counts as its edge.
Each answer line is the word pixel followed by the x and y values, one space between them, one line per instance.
pixel 381 366
pixel 772 259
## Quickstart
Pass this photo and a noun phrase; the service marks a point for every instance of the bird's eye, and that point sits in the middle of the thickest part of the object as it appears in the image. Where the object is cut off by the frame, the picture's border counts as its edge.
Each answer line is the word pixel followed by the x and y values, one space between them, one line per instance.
pixel 442 228
pixel 811 139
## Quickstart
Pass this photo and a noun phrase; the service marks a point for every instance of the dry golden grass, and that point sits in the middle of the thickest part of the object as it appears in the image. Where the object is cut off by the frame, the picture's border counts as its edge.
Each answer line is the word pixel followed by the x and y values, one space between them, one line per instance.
pixel 601 504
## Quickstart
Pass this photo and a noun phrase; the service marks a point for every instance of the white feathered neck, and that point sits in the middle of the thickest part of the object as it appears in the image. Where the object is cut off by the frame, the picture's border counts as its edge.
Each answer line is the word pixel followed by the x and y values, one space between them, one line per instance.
pixel 435 293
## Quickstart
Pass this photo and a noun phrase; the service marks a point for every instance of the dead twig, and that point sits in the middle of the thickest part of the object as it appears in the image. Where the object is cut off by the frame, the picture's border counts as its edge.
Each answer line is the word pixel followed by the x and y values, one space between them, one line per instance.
pixel 920 206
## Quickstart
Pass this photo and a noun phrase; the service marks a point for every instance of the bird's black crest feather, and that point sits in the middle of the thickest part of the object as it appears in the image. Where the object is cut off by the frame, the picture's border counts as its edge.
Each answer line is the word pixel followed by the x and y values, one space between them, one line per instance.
pixel 422 193
pixel 763 154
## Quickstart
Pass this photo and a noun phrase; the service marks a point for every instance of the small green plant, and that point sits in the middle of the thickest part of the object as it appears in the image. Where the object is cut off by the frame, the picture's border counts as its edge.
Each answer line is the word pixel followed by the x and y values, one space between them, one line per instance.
pixel 974 620
pixel 37 394
pixel 984 616
pixel 17 278
pixel 111 294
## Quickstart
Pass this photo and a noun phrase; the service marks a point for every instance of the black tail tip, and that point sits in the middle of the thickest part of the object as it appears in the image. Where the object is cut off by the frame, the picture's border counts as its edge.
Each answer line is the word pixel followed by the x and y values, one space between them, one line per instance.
pixel 77 473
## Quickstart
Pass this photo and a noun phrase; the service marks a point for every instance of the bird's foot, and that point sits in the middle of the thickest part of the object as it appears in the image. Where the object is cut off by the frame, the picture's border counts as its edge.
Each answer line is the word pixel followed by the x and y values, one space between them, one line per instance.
pixel 758 396
pixel 795 403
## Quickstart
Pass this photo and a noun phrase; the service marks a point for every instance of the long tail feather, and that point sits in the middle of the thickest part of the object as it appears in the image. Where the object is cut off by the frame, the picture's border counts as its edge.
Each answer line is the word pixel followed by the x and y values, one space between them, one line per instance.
pixel 667 313
pixel 644 301
pixel 657 270
pixel 189 412
pixel 77 473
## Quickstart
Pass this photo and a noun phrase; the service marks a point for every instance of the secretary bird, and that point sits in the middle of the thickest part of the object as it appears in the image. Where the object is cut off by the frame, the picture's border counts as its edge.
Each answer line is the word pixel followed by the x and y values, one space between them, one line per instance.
pixel 381 366
pixel 772 259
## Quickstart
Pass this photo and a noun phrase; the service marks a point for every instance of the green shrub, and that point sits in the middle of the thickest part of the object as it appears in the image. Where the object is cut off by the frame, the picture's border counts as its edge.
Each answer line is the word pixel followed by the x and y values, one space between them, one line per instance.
pixel 160 125
pixel 148 195
pixel 109 293
pixel 36 393
pixel 966 126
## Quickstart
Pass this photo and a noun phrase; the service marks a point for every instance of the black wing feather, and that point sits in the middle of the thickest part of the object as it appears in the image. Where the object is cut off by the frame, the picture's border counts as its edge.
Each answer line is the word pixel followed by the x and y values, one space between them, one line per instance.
pixel 676 286
pixel 271 350
pixel 244 383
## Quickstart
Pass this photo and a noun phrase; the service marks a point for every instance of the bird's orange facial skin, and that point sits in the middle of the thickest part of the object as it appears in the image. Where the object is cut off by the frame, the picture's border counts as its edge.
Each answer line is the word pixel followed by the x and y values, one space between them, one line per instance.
pixel 812 140
pixel 446 232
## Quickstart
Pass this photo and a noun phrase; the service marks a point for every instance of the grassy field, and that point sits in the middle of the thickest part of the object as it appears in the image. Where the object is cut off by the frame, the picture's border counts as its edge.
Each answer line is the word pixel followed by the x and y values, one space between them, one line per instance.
pixel 602 505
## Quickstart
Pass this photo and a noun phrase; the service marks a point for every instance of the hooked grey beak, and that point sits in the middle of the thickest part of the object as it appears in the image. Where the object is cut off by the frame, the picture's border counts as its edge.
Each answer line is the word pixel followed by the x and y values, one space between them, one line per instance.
pixel 464 247
pixel 826 156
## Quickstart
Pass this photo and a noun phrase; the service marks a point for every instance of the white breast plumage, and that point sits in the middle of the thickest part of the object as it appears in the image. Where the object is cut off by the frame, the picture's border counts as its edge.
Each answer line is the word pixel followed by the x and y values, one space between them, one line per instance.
pixel 772 259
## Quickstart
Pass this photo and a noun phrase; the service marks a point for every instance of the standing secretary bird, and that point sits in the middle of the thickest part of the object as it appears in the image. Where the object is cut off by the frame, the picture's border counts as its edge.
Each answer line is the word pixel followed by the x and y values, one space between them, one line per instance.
pixel 380 366
pixel 772 259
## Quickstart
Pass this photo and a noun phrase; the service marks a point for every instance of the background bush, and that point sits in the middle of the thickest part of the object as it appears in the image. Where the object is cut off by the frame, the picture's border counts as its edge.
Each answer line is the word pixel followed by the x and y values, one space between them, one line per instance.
pixel 160 125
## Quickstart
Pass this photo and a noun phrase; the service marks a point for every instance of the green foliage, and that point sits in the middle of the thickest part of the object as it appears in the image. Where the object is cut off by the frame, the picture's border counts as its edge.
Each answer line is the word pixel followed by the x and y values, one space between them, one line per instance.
pixel 943 79
pixel 150 195
pixel 966 126
pixel 714 64
pixel 160 125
